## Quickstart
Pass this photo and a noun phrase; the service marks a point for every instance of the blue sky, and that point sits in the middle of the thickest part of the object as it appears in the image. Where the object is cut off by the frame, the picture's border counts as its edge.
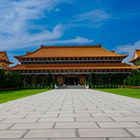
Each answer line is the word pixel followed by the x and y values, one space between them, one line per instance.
pixel 26 24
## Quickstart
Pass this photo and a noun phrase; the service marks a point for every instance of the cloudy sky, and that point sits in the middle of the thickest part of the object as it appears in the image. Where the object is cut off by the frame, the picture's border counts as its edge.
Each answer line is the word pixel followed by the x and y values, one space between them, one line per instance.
pixel 26 24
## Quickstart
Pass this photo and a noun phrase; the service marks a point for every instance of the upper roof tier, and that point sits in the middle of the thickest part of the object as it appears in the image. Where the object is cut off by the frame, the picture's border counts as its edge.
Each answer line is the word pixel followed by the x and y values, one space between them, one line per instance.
pixel 136 55
pixel 70 51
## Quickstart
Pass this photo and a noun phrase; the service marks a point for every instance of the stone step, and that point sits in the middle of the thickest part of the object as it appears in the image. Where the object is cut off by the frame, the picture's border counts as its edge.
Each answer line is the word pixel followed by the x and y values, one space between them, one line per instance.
pixel 72 87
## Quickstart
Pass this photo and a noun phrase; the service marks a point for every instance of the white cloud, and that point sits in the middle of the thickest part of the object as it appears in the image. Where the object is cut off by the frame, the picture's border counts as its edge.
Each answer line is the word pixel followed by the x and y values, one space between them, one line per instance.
pixel 77 40
pixel 94 15
pixel 15 15
pixel 15 26
pixel 129 49
pixel 94 18
pixel 14 23
pixel 17 42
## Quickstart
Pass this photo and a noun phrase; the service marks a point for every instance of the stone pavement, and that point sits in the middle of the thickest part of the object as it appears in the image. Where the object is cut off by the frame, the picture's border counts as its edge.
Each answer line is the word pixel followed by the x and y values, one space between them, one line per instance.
pixel 71 114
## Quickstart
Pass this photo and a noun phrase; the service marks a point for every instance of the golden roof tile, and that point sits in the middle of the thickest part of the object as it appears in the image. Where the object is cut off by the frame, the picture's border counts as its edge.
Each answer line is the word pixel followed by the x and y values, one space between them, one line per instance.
pixel 71 51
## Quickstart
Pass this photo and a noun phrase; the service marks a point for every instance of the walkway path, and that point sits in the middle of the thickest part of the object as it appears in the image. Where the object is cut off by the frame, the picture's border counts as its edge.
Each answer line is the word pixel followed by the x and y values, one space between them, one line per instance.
pixel 71 114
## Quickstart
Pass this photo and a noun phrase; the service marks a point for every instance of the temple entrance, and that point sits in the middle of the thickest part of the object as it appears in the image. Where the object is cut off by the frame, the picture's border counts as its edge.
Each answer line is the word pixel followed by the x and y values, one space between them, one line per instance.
pixel 71 80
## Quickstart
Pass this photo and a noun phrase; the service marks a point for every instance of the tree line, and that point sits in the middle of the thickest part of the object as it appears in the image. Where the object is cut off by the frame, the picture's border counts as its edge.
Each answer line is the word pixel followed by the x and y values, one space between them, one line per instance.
pixel 114 80
pixel 107 80
pixel 9 80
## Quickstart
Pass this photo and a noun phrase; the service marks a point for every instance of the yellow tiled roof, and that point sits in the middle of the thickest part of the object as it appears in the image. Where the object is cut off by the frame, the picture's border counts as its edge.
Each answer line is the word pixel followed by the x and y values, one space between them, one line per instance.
pixel 71 51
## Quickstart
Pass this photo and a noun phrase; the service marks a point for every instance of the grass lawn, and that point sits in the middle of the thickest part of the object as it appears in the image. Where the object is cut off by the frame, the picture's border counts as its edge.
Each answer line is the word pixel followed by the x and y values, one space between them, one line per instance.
pixel 135 93
pixel 6 96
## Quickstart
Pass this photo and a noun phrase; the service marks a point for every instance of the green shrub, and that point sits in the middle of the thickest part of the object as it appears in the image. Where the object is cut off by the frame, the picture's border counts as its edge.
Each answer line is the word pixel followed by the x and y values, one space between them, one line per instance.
pixel 133 79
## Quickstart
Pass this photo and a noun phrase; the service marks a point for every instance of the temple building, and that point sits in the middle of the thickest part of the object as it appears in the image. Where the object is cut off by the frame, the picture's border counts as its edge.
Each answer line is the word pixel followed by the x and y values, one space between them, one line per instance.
pixel 136 59
pixel 71 64
pixel 4 60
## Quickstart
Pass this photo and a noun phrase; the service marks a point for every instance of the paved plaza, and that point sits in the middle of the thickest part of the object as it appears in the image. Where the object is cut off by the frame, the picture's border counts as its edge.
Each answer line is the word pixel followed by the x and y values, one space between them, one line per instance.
pixel 71 114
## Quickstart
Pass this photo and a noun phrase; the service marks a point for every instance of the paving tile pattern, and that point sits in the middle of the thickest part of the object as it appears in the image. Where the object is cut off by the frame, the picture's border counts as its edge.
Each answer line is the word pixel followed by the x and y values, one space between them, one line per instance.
pixel 71 114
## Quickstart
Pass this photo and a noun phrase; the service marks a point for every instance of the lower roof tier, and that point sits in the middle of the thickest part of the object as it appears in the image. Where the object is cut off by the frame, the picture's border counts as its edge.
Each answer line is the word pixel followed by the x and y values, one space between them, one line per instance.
pixel 70 66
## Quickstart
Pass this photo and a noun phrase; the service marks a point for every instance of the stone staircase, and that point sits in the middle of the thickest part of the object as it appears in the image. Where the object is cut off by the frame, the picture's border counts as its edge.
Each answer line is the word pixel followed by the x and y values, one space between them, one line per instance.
pixel 72 87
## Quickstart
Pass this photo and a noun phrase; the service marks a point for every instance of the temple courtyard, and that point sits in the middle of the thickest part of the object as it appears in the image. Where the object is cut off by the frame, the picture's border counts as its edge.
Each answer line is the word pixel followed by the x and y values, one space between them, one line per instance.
pixel 71 114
